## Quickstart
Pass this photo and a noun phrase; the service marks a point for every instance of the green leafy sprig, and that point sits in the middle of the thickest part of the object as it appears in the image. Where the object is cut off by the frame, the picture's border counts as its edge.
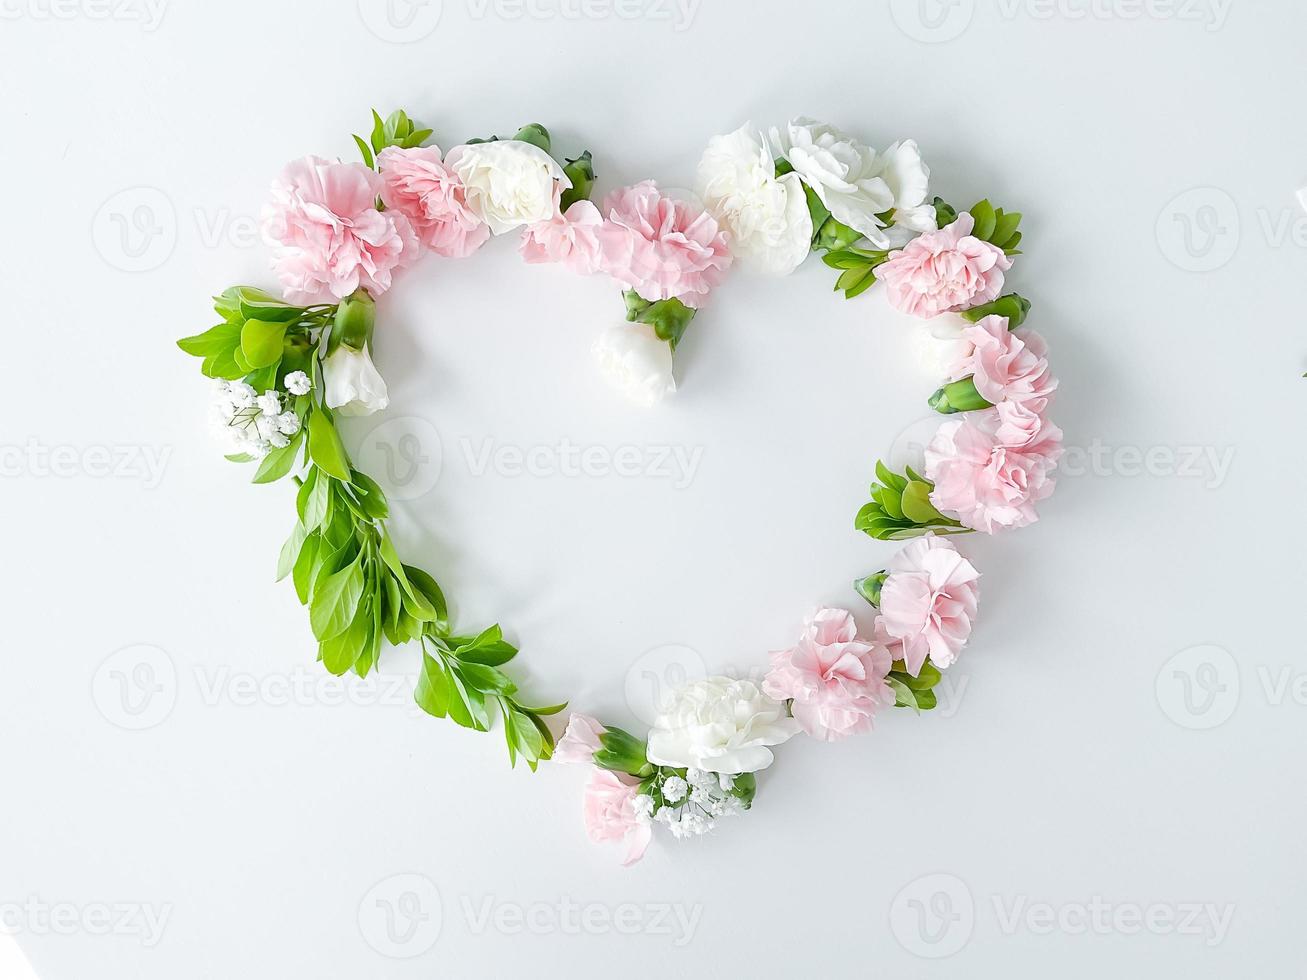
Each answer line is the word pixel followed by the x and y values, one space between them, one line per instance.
pixel 900 508
pixel 340 556
pixel 397 129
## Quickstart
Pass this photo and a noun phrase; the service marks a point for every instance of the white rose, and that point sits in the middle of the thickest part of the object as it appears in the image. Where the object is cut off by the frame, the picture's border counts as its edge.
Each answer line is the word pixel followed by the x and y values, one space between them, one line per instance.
pixel 509 183
pixel 354 385
pixel 635 361
pixel 854 182
pixel 719 725
pixel 767 217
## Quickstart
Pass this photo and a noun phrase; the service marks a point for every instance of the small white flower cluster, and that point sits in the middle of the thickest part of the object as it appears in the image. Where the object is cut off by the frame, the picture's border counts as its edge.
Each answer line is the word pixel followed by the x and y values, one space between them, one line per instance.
pixel 253 423
pixel 693 805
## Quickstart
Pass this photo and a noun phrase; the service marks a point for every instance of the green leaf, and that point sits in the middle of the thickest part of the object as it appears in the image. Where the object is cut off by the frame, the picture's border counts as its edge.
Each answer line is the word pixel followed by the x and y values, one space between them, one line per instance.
pixel 489 648
pixel 317 500
pixel 378 132
pixel 488 680
pixel 302 574
pixel 819 212
pixel 262 342
pixel 425 587
pixel 325 446
pixel 917 506
pixel 290 551
pixel 279 462
pixel 216 340
pixel 342 651
pixel 983 213
pixel 366 152
pixel 336 602
pixel 1005 226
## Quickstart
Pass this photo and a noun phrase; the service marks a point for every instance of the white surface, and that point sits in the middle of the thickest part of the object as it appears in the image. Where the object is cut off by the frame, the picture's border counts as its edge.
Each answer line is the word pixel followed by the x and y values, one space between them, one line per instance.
pixel 266 827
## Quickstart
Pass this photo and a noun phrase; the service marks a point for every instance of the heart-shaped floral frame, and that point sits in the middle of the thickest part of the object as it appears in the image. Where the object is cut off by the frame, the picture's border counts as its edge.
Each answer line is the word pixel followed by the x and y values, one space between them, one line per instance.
pixel 287 367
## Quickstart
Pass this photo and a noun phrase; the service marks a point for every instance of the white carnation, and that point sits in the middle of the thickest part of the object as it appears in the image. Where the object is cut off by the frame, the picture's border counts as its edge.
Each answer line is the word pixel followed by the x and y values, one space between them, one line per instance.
pixel 509 183
pixel 767 217
pixel 720 725
pixel 856 184
pixel 636 362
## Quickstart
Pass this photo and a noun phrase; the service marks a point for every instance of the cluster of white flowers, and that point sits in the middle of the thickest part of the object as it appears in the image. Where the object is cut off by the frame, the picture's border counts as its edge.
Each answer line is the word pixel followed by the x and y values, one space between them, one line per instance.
pixel 253 423
pixel 693 805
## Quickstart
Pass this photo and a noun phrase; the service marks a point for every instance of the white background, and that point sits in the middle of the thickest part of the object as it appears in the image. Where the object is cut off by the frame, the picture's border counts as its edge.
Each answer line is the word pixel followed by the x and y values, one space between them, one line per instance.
pixel 1122 733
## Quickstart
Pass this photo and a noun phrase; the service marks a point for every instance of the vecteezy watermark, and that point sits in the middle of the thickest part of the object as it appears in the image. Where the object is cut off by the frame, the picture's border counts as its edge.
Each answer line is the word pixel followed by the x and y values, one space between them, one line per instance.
pixel 563 916
pixel 135 920
pixel 933 916
pixel 937 21
pixel 136 687
pixel 1199 687
pixel 1207 921
pixel 405 455
pixel 1208 464
pixel 1199 229
pixel 679 13
pixel 135 230
pixel 36 460
pixel 147 13
pixel 400 21
pixel 675 464
pixel 304 687
pixel 401 916
pixel 657 674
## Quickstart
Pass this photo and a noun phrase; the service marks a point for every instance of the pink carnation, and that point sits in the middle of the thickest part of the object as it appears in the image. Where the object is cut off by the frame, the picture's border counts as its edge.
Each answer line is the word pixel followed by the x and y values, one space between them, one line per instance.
pixel 330 238
pixel 661 248
pixel 420 187
pixel 579 742
pixel 928 602
pixel 1006 365
pixel 610 814
pixel 992 467
pixel 570 237
pixel 944 271
pixel 837 682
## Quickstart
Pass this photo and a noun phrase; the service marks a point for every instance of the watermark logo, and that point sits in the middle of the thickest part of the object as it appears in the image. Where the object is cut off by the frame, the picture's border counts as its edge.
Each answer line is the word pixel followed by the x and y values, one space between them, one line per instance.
pixel 147 13
pixel 401 916
pixel 404 455
pixel 136 229
pixel 1198 688
pixel 1198 230
pixel 136 688
pixel 655 677
pixel 676 465
pixel 933 916
pixel 932 21
pixel 37 460
pixel 400 21
pixel 34 916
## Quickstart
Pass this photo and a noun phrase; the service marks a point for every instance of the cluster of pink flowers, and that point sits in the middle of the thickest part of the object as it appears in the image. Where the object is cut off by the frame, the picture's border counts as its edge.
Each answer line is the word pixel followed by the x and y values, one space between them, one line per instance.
pixel 1006 365
pixel 836 681
pixel 657 246
pixel 427 192
pixel 609 809
pixel 944 271
pixel 990 468
pixel 329 237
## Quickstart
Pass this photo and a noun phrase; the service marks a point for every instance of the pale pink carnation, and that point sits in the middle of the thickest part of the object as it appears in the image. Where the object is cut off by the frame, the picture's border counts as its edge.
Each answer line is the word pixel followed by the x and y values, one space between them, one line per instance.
pixel 928 602
pixel 1006 365
pixel 991 467
pixel 836 681
pixel 610 814
pixel 570 237
pixel 420 187
pixel 579 742
pixel 330 239
pixel 660 247
pixel 944 271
